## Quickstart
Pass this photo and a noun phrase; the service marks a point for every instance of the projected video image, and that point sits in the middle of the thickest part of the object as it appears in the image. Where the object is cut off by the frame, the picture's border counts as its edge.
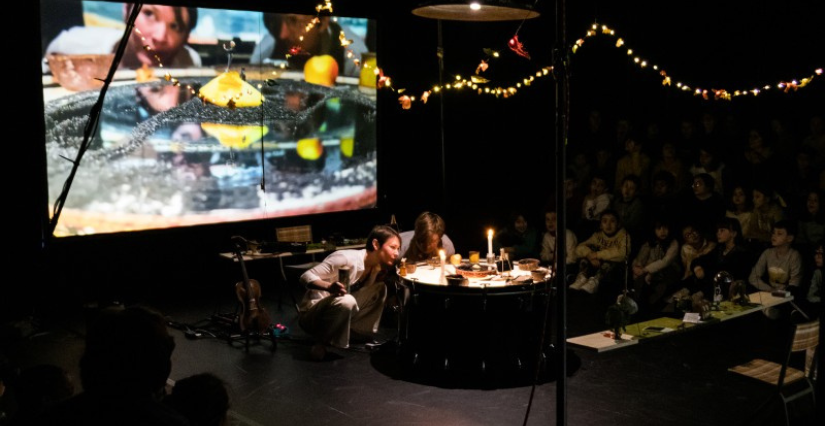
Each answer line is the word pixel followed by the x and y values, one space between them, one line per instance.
pixel 212 116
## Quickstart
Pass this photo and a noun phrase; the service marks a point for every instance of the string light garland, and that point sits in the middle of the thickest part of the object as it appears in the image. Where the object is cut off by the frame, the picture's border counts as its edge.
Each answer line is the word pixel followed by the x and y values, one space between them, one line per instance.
pixel 705 93
pixel 595 29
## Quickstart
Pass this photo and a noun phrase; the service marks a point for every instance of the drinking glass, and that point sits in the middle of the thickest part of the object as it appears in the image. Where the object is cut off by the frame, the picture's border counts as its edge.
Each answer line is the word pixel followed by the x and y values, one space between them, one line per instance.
pixel 474 256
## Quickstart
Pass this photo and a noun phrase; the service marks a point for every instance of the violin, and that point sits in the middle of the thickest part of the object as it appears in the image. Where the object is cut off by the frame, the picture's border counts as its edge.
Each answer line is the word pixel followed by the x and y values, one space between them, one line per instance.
pixel 254 317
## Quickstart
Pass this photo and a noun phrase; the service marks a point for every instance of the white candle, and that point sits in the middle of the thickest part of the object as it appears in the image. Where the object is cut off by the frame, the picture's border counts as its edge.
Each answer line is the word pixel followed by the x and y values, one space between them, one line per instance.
pixel 489 241
pixel 443 257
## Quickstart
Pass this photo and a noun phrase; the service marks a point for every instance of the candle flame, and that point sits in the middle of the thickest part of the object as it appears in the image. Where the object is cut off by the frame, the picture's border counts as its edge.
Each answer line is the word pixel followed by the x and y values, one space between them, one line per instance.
pixel 490 233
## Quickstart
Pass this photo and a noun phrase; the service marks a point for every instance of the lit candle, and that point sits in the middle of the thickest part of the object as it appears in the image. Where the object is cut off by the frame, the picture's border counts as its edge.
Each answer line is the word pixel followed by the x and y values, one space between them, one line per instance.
pixel 489 241
pixel 443 257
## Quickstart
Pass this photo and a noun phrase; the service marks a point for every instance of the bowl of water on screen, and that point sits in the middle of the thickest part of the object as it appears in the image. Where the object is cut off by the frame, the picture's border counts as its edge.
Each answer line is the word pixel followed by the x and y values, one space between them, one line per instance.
pixel 80 72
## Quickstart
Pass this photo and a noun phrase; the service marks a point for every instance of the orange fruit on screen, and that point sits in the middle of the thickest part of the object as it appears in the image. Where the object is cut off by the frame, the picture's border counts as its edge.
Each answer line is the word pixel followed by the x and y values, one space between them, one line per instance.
pixel 310 149
pixel 322 70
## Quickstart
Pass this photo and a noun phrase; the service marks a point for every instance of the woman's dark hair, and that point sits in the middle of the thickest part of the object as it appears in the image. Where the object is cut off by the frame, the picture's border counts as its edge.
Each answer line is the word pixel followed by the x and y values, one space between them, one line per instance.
pixel 381 233
pixel 732 224
pixel 426 225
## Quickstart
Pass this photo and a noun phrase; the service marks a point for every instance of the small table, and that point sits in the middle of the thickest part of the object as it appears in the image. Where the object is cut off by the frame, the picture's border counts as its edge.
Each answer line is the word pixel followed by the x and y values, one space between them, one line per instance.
pixel 489 325
pixel 635 333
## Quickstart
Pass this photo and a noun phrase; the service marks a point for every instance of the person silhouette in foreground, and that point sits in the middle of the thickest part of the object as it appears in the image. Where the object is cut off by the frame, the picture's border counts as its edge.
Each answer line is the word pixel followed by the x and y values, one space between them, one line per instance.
pixel 123 371
pixel 202 398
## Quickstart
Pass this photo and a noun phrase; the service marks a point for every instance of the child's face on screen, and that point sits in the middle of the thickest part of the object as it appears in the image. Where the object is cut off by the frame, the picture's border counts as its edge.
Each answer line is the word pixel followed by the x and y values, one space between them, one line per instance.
pixel 609 224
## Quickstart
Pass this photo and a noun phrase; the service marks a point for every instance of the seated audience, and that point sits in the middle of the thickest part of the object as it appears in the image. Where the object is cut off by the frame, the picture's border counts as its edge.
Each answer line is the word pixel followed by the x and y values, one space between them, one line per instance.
pixel 548 242
pixel 730 255
pixel 123 371
pixel 656 267
pixel 518 238
pixel 694 245
pixel 778 267
pixel 331 311
pixel 811 220
pixel 740 207
pixel 37 389
pixel 764 215
pixel 673 165
pixel 710 164
pixel 426 238
pixel 595 202
pixel 201 398
pixel 635 162
pixel 703 207
pixel 629 206
pixel 602 254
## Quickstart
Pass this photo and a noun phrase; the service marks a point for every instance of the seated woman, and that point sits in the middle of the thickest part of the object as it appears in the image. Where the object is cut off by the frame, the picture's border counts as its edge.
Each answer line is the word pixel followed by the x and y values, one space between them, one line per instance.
pixel 730 255
pixel 518 238
pixel 329 312
pixel 426 239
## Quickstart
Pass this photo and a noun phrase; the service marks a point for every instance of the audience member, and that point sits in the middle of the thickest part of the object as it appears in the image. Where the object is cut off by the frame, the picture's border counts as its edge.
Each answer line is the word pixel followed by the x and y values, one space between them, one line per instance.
pixel 518 238
pixel 740 207
pixel 123 371
pixel 39 388
pixel 694 245
pixel 730 255
pixel 635 162
pixel 672 164
pixel 663 201
pixel 629 207
pixel 331 311
pixel 780 266
pixel 709 163
pixel 602 255
pixel 159 38
pixel 811 220
pixel 703 207
pixel 815 139
pixel 548 242
pixel 656 268
pixel 427 237
pixel 202 398
pixel 595 203
pixel 764 215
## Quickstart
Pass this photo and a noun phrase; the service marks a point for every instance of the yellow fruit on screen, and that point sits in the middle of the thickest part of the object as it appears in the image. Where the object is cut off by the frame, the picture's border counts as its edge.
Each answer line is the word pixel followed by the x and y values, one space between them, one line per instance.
pixel 230 86
pixel 233 136
pixel 322 70
pixel 310 149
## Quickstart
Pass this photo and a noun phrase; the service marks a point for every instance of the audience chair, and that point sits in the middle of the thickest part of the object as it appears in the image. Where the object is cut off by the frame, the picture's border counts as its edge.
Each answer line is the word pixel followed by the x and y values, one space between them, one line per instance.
pixel 791 383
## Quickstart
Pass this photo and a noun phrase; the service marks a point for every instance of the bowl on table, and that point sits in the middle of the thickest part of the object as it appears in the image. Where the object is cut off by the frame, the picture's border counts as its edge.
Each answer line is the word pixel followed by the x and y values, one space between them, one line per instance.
pixel 528 264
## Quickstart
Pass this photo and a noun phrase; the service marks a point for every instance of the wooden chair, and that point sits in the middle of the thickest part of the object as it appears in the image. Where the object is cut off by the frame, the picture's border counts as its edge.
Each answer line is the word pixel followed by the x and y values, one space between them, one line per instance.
pixel 791 383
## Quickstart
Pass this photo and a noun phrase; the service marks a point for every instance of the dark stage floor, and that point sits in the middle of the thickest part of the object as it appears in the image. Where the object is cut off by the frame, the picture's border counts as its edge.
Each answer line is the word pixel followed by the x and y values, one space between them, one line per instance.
pixel 677 380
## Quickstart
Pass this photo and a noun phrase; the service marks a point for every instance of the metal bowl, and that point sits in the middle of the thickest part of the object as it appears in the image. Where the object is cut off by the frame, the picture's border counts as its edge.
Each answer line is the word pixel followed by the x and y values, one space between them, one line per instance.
pixel 457 279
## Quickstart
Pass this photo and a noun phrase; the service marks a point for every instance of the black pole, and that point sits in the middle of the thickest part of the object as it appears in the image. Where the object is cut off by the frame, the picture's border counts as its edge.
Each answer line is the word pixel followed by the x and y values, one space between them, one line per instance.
pixel 440 53
pixel 560 57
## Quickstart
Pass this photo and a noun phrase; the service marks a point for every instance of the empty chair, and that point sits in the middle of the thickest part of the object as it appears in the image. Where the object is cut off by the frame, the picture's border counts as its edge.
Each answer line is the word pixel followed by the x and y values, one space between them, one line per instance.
pixel 791 383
